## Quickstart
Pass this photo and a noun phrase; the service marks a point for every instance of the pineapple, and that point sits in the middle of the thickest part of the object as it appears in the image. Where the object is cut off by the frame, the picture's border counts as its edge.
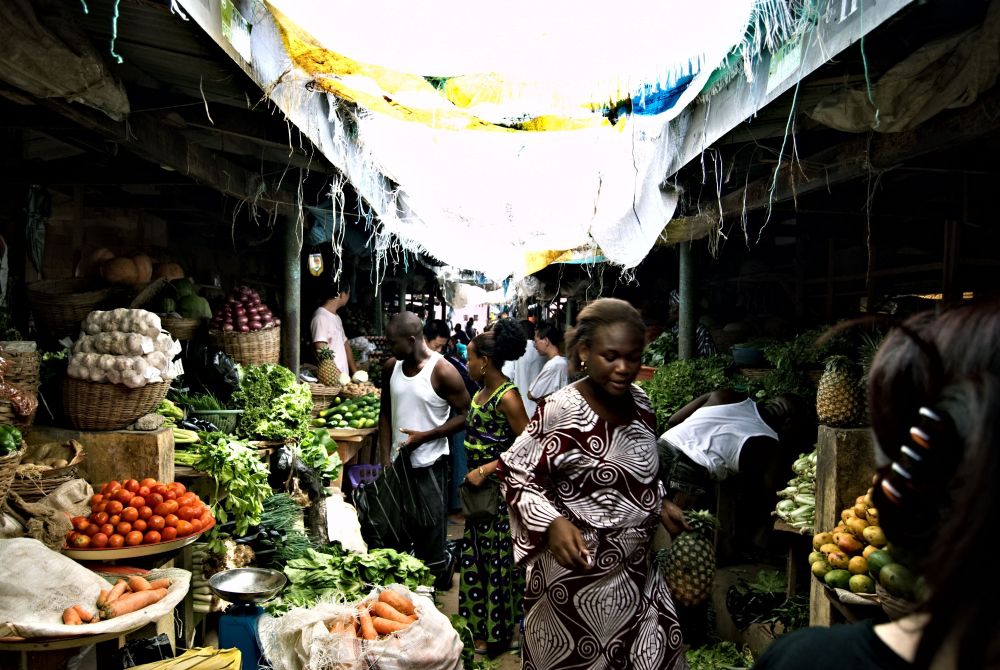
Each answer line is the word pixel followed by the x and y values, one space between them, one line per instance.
pixel 689 564
pixel 840 395
pixel 328 373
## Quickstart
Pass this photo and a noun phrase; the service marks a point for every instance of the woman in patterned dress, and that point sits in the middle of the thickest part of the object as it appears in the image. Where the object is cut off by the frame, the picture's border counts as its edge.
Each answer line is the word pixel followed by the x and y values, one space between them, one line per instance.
pixel 491 588
pixel 585 500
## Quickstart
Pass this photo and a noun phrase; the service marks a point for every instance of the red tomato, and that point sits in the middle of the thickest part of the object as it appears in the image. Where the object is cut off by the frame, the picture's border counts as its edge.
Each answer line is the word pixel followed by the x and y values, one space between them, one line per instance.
pixel 143 491
pixel 166 507
pixel 148 482
pixel 184 528
pixel 168 534
pixel 133 539
pixel 91 530
pixel 137 502
pixel 97 498
pixel 159 488
pixel 130 514
pixel 177 487
pixel 151 537
pixel 187 499
pixel 80 541
pixel 145 512
pixel 69 536
pixel 154 499
pixel 206 518
pixel 100 518
pixel 114 507
pixel 195 525
pixel 80 523
pixel 155 522
pixel 99 507
pixel 116 541
pixel 114 520
pixel 188 513
pixel 131 485
pixel 99 541
pixel 123 528
pixel 113 485
pixel 170 495
pixel 140 525
pixel 123 496
pixel 170 520
pixel 108 529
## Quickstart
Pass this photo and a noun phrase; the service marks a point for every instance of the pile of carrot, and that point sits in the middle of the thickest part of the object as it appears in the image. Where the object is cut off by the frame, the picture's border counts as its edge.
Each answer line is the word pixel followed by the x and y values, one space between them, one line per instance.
pixel 125 597
pixel 391 613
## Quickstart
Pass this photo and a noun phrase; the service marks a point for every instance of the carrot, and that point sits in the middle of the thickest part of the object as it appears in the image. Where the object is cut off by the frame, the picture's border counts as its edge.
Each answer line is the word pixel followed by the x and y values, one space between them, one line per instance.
pixel 387 611
pixel 137 583
pixel 160 584
pixel 397 600
pixel 116 591
pixel 368 631
pixel 386 626
pixel 102 599
pixel 85 616
pixel 133 602
pixel 71 617
pixel 338 627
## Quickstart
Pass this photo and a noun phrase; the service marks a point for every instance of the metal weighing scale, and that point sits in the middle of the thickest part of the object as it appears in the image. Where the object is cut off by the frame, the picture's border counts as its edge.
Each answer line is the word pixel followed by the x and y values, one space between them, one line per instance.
pixel 244 588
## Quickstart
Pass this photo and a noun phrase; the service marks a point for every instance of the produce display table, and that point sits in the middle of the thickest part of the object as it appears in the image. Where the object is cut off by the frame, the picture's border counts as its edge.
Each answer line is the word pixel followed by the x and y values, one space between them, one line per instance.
pixel 353 446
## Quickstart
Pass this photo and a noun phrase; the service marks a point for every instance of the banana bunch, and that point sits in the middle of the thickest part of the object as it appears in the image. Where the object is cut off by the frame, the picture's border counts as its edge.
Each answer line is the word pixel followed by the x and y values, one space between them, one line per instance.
pixel 199 658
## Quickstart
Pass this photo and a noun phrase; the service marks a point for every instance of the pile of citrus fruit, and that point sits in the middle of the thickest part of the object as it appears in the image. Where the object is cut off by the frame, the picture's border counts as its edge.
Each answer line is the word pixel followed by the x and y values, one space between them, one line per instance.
pixel 133 512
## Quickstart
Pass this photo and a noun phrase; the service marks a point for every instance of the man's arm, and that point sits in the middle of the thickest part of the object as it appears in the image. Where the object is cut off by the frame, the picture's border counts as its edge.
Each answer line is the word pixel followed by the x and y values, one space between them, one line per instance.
pixel 448 384
pixel 385 435
pixel 687 410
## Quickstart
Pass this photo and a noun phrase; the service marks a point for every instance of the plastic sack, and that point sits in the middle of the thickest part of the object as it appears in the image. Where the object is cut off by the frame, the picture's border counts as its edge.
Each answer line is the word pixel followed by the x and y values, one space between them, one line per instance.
pixel 301 639
pixel 208 369
pixel 142 651
pixel 380 505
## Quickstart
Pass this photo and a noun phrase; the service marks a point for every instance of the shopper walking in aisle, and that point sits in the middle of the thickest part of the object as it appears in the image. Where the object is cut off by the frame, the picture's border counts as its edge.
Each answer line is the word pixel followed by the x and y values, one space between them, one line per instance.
pixel 492 588
pixel 525 369
pixel 555 373
pixel 584 498
pixel 424 401
pixel 934 395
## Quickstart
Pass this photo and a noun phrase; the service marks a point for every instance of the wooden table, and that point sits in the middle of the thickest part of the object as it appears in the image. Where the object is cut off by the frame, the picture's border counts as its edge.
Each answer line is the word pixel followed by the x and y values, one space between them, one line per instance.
pixel 53 653
pixel 353 446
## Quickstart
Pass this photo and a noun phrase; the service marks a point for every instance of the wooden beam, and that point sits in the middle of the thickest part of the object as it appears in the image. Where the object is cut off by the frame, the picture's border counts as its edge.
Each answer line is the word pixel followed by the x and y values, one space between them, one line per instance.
pixel 860 156
pixel 150 138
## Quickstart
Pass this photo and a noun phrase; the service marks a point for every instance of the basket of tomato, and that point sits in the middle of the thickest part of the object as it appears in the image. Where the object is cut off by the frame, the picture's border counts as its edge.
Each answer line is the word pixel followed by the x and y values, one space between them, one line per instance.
pixel 138 518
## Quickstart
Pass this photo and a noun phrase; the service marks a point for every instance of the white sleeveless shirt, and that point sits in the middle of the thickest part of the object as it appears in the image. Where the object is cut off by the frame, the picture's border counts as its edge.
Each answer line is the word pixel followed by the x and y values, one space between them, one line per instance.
pixel 415 405
pixel 713 436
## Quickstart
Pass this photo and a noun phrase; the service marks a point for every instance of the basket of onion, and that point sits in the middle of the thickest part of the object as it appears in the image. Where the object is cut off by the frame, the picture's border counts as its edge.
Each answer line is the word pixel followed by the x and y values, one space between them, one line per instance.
pixel 245 329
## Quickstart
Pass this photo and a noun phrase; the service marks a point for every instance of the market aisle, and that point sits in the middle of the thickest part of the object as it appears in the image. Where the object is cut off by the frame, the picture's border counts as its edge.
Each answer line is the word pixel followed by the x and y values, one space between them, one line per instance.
pixel 448 603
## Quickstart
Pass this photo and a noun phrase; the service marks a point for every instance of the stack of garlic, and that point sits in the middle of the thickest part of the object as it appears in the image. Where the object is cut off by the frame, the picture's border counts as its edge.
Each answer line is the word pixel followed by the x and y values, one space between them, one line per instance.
pixel 124 346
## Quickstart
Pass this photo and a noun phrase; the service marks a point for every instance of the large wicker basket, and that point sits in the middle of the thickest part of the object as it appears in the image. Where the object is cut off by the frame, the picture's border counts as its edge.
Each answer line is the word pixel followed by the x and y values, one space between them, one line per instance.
pixel 59 305
pixel 180 328
pixel 254 348
pixel 23 373
pixel 8 466
pixel 98 406
pixel 322 396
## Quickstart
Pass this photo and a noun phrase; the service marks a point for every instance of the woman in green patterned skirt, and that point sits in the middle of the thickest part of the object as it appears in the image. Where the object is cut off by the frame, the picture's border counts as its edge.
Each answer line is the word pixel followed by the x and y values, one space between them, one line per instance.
pixel 491 587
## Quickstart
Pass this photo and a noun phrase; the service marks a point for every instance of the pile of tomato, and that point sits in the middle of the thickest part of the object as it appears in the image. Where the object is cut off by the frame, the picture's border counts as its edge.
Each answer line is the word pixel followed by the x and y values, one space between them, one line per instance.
pixel 132 512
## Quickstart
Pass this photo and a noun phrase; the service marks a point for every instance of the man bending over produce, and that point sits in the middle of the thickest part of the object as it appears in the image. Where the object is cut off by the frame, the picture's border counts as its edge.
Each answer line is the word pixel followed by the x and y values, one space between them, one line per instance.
pixel 424 389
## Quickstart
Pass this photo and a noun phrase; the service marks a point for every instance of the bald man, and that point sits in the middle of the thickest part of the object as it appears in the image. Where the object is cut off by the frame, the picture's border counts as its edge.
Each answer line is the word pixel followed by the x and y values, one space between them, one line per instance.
pixel 424 400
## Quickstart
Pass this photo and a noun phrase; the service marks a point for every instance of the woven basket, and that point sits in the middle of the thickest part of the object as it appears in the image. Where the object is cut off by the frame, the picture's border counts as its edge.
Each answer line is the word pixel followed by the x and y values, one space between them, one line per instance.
pixel 11 417
pixel 322 396
pixel 254 348
pixel 224 419
pixel 8 466
pixel 96 406
pixel 35 487
pixel 894 606
pixel 24 364
pixel 59 305
pixel 180 328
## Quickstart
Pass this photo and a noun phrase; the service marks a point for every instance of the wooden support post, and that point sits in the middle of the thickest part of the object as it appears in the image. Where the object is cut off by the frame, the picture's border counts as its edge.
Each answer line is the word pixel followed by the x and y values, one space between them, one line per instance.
pixel 845 463
pixel 686 320
pixel 290 324
pixel 831 258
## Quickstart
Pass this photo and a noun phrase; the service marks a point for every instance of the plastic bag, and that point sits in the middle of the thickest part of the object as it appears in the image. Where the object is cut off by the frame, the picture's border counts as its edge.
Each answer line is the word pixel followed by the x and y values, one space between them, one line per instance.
pixel 381 504
pixel 208 369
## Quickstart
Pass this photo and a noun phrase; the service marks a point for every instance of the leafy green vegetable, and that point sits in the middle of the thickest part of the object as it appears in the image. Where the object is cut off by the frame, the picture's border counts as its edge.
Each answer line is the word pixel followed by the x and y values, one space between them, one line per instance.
pixel 240 478
pixel 724 655
pixel 469 659
pixel 283 514
pixel 331 572
pixel 275 406
pixel 661 351
pixel 319 451
pixel 679 382
pixel 204 401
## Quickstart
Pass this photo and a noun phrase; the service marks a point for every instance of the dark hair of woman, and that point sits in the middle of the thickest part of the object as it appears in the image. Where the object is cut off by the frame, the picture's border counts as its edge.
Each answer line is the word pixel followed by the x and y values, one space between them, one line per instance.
pixel 504 342
pixel 593 318
pixel 934 391
pixel 549 331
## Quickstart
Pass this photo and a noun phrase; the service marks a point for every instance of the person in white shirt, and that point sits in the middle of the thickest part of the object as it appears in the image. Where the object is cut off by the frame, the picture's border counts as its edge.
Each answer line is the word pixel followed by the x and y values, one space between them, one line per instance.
pixel 525 369
pixel 424 401
pixel 555 373
pixel 327 331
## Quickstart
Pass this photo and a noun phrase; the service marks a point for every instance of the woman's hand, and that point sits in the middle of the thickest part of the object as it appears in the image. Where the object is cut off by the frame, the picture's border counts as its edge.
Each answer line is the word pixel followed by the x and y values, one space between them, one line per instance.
pixel 672 518
pixel 567 545
pixel 477 477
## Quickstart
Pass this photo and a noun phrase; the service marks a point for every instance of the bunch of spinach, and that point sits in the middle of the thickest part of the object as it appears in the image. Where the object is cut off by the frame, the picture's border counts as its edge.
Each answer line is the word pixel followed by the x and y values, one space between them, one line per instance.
pixel 333 573
pixel 724 655
pixel 240 478
pixel 679 382
pixel 661 351
pixel 319 451
pixel 275 406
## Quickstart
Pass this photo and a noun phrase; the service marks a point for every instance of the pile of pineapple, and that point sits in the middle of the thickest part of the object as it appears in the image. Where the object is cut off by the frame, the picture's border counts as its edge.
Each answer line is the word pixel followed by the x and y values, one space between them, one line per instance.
pixel 841 400
pixel 841 556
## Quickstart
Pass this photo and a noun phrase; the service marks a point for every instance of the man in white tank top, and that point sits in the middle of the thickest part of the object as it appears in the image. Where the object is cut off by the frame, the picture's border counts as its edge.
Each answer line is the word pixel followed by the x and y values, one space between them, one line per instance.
pixel 420 391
